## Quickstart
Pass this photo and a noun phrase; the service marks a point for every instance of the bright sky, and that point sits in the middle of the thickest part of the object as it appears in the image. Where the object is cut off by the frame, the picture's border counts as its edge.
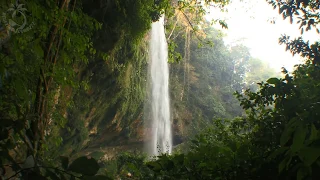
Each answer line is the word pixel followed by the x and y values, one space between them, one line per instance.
pixel 248 20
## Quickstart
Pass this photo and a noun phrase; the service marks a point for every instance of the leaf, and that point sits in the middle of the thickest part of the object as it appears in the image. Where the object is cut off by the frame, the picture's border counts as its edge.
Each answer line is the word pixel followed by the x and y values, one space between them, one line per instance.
pixel 282 165
pixel 19 58
pixel 282 9
pixel 14 14
pixel 309 155
pixel 38 50
pixel 286 135
pixel 314 133
pixel 278 152
pixel 154 166
pixel 298 138
pixel 302 173
pixel 85 166
pixel 64 162
pixel 201 165
pixel 132 167
pixel 29 162
pixel 273 81
pixel 20 6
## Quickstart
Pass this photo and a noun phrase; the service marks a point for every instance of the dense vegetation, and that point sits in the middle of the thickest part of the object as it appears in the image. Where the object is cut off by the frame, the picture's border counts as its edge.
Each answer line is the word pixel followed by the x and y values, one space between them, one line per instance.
pixel 278 138
pixel 203 83
pixel 57 76
pixel 74 84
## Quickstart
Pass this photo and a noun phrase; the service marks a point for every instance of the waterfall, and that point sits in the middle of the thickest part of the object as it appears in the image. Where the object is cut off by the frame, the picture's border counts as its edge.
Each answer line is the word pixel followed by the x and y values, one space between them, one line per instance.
pixel 160 104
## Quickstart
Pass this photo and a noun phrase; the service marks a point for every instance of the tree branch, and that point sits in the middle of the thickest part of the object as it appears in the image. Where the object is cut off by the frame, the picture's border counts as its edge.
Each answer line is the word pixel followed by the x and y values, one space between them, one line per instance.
pixel 174 27
pixel 191 25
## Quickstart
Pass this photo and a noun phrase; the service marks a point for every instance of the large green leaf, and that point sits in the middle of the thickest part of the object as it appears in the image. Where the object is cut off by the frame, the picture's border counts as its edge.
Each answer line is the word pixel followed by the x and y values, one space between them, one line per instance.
pixel 309 155
pixel 29 162
pixel 273 81
pixel 298 138
pixel 155 166
pixel 38 50
pixel 302 173
pixel 84 165
pixel 284 164
pixel 278 152
pixel 290 127
pixel 314 133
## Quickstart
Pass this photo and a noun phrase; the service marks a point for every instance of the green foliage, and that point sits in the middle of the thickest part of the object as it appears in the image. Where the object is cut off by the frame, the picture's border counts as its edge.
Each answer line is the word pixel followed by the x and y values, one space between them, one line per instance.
pixel 80 168
pixel 46 74
pixel 174 56
pixel 35 64
pixel 202 85
pixel 81 74
pixel 258 71
pixel 221 151
pixel 128 165
pixel 278 138
pixel 306 14
pixel 285 106
pixel 134 164
pixel 122 83
pixel 304 11
pixel 128 19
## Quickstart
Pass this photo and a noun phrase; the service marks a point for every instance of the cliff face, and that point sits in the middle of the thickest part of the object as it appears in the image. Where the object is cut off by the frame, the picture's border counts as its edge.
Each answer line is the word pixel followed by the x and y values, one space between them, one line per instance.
pixel 109 110
pixel 109 113
pixel 109 116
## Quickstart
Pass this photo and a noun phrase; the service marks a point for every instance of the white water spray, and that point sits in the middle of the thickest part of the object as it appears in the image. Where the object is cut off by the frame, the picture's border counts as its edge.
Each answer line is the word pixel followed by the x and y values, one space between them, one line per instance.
pixel 159 70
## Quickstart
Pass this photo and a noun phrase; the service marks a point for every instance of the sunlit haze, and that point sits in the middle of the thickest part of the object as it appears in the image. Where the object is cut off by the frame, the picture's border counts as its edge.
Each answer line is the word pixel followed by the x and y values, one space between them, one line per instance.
pixel 249 23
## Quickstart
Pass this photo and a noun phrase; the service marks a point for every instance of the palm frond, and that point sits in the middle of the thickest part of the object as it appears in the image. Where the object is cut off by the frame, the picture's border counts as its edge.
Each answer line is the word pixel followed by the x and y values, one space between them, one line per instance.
pixel 11 9
pixel 14 14
pixel 20 6
pixel 22 9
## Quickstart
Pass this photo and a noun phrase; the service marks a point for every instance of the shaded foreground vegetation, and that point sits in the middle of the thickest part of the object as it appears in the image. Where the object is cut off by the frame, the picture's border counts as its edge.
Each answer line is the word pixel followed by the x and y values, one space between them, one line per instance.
pixel 81 74
pixel 278 139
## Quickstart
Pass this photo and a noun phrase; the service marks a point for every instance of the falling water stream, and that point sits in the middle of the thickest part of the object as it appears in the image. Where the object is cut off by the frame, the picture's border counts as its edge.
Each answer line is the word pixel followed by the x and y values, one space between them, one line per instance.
pixel 159 70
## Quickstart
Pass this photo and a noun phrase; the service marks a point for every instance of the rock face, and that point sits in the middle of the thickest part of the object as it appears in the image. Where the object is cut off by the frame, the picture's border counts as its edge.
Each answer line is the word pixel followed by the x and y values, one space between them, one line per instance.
pixel 110 111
